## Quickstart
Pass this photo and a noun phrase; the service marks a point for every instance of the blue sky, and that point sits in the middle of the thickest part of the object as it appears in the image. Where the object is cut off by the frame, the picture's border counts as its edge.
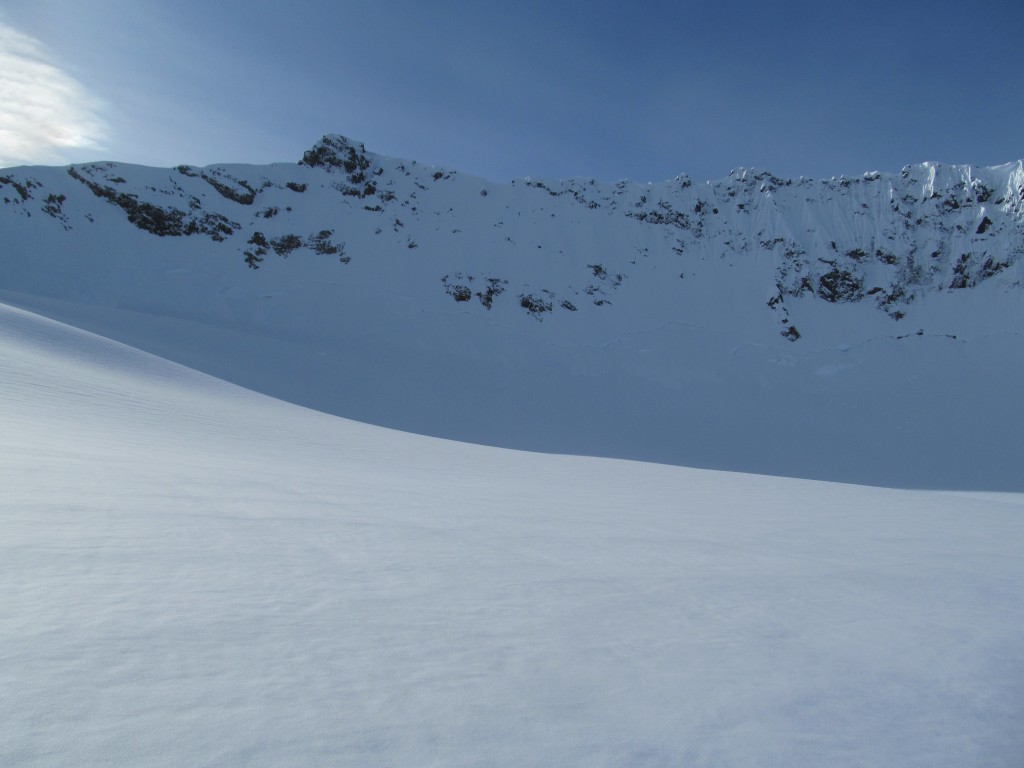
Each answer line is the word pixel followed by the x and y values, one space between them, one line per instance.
pixel 503 90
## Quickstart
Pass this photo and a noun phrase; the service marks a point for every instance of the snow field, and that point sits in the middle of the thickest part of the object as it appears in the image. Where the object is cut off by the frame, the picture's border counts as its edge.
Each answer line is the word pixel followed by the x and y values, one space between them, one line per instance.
pixel 195 574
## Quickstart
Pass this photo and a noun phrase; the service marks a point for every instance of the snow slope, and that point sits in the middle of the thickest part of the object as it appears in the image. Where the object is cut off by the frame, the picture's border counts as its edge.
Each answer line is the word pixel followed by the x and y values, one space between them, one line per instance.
pixel 866 330
pixel 196 574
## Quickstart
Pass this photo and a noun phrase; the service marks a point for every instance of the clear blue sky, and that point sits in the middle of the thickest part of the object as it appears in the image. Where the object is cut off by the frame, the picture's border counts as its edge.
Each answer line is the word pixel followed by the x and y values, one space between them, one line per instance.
pixel 643 91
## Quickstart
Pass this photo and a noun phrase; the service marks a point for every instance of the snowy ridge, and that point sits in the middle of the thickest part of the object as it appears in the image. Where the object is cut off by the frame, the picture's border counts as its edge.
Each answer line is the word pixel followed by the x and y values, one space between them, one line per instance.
pixel 887 239
pixel 194 574
pixel 853 329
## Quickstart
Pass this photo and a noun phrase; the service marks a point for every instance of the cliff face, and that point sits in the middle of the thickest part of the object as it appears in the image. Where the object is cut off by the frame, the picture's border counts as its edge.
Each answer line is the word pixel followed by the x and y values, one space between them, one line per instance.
pixel 665 321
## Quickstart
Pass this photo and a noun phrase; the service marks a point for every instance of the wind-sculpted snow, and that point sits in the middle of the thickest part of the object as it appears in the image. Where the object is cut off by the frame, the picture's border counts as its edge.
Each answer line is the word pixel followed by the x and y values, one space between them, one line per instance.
pixel 194 574
pixel 860 329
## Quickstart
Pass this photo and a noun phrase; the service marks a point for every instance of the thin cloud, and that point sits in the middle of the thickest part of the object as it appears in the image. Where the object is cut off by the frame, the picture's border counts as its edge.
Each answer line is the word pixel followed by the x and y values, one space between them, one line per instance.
pixel 46 115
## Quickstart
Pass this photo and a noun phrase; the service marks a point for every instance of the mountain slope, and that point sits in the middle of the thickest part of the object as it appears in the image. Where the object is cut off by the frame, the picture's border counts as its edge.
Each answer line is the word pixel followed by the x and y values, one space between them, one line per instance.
pixel 864 330
pixel 194 574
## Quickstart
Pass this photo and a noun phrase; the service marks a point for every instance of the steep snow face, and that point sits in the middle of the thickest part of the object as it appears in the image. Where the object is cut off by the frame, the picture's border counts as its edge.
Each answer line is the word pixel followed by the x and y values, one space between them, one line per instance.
pixel 194 574
pixel 864 329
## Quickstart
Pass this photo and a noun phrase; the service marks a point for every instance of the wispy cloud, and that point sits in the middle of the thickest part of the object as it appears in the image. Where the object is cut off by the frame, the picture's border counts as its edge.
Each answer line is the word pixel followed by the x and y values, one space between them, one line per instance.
pixel 46 116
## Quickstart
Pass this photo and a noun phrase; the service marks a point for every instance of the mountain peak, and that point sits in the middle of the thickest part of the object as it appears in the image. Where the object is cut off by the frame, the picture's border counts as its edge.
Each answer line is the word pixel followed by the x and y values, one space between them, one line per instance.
pixel 336 152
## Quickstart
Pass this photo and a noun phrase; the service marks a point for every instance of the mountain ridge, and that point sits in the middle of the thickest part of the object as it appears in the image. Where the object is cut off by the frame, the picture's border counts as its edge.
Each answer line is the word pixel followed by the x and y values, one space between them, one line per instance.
pixel 935 227
pixel 693 323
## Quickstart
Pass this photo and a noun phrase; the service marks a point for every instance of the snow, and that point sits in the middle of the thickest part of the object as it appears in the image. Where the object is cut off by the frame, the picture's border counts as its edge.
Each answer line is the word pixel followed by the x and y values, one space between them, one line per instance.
pixel 684 362
pixel 196 574
pixel 192 573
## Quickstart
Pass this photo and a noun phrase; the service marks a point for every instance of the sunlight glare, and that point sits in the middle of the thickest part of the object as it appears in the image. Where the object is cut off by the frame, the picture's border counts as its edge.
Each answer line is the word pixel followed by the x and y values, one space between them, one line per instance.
pixel 47 116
